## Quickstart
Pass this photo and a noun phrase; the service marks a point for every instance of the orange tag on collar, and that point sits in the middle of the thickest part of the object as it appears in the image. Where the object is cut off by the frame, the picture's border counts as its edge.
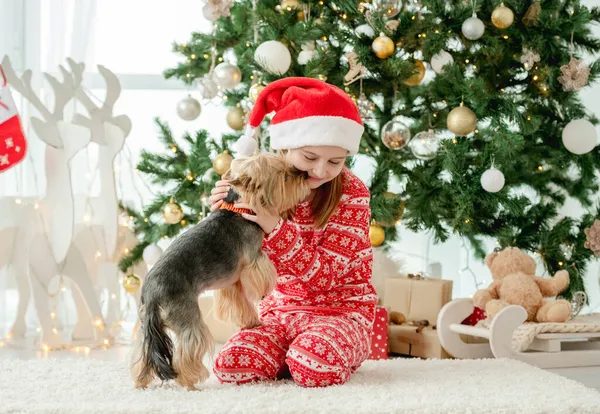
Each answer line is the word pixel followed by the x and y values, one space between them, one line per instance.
pixel 232 207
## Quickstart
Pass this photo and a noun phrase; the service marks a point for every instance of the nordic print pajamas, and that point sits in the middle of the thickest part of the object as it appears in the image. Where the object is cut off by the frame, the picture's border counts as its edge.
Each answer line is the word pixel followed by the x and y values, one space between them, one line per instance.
pixel 318 320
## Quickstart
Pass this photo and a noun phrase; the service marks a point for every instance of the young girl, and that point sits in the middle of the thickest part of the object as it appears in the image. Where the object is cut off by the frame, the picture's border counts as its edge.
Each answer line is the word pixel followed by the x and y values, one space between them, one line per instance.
pixel 317 322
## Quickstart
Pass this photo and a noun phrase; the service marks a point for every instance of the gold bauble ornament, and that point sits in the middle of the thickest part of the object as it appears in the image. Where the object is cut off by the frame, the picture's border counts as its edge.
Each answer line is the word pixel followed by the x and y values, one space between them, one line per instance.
pixel 418 76
pixel 172 212
pixel 222 162
pixel 289 5
pixel 131 283
pixel 376 235
pixel 383 46
pixel 255 90
pixel 235 118
pixel 461 121
pixel 502 17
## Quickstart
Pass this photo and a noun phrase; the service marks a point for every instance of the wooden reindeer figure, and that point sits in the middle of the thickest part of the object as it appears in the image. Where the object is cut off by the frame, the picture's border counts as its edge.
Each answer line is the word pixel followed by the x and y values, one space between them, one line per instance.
pixel 48 232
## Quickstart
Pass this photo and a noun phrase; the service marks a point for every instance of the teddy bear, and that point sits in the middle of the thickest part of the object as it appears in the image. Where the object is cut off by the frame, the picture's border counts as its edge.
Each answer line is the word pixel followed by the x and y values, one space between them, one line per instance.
pixel 515 283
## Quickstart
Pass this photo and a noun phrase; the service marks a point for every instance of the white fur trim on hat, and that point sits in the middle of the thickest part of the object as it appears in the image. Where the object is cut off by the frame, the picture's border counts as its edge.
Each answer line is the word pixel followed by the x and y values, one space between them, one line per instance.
pixel 317 130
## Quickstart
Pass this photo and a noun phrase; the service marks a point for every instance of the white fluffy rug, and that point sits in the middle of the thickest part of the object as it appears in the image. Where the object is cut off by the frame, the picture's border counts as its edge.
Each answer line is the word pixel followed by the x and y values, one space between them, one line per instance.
pixel 393 386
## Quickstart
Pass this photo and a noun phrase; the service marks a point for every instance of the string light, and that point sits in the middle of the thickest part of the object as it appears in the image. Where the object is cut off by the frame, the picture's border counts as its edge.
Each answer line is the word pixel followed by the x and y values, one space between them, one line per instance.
pixel 220 59
pixel 205 56
pixel 46 348
pixel 467 221
pixel 560 263
pixel 18 201
pixel 536 77
pixel 145 219
pixel 540 168
pixel 53 315
pixel 193 56
pixel 126 250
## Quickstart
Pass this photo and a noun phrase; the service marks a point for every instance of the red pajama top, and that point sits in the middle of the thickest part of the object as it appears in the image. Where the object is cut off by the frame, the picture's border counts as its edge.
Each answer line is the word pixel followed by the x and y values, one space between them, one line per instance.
pixel 325 271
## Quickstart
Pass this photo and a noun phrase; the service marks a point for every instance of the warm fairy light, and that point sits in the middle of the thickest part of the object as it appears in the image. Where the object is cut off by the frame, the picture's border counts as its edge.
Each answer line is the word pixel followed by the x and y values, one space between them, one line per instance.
pixel 189 75
pixel 321 3
pixel 55 330
pixel 540 168
pixel 477 131
pixel 36 205
pixel 435 115
pixel 98 322
pixel 145 219
pixel 225 98
pixel 467 221
pixel 113 296
pixel 324 38
pixel 38 330
pixel 413 18
pixel 86 218
pixel 505 37
pixel 53 315
pixel 126 250
pixel 193 56
pixel 560 263
pixel 436 31
pixel 46 348
pixel 183 223
pixel 454 141
pixel 528 118
pixel 184 45
pixel 247 44
pixel 76 349
pixel 190 177
pixel 18 201
pixel 165 237
pixel 467 61
pixel 536 77
pixel 106 342
pixel 98 254
pixel 87 350
pixel 220 59
pixel 205 56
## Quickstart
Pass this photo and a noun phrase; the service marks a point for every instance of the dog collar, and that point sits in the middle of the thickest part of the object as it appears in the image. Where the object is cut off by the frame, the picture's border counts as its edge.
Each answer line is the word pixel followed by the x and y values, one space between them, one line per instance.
pixel 232 207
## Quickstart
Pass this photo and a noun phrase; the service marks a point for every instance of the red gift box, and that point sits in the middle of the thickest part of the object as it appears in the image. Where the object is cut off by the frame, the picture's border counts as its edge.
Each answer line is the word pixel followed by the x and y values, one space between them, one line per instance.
pixel 379 338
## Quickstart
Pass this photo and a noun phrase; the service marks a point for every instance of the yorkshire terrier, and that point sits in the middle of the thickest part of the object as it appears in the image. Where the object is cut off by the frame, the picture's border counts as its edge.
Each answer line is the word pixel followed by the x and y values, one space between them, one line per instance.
pixel 221 253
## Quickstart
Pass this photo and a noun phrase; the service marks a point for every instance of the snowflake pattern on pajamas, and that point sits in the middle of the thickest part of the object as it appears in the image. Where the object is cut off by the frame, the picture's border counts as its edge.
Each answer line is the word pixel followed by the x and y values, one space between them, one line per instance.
pixel 323 350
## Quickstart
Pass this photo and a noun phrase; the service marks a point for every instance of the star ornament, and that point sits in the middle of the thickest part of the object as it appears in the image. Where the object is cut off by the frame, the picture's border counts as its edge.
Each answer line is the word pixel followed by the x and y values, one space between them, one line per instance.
pixel 574 75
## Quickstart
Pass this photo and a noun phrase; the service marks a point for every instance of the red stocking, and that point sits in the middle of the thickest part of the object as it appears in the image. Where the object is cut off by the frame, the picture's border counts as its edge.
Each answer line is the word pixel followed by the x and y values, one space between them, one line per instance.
pixel 13 145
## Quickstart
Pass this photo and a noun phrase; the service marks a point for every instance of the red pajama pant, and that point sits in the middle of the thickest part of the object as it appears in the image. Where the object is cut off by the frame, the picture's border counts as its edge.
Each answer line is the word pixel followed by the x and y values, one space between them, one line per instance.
pixel 317 350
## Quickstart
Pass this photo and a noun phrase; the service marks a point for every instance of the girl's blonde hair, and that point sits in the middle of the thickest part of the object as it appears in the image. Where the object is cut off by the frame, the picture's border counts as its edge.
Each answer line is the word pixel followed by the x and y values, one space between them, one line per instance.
pixel 326 200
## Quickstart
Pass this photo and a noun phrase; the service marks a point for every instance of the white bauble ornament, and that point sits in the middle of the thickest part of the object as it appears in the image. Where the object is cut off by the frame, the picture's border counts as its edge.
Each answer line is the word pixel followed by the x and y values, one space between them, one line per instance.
pixel 152 254
pixel 305 56
pixel 228 75
pixel 188 108
pixel 580 136
pixel 274 57
pixel 440 60
pixel 473 28
pixel 210 13
pixel 208 87
pixel 492 180
pixel 365 30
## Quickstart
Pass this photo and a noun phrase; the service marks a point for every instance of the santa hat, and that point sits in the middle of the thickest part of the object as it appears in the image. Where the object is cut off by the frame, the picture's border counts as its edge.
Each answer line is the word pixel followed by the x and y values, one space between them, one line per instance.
pixel 308 112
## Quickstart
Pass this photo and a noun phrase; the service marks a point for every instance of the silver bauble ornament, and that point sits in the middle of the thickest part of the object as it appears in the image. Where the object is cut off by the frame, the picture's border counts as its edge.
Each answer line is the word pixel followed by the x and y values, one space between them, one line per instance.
pixel 151 254
pixel 425 145
pixel 440 60
pixel 473 28
pixel 188 108
pixel 208 87
pixel 228 75
pixel 210 13
pixel 395 134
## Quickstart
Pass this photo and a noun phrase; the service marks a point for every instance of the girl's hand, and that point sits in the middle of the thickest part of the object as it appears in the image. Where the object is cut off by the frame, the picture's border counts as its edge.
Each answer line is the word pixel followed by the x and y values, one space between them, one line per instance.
pixel 218 194
pixel 267 223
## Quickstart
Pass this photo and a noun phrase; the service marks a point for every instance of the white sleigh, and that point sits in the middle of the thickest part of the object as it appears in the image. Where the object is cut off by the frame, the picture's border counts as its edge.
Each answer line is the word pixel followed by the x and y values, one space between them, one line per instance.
pixel 548 350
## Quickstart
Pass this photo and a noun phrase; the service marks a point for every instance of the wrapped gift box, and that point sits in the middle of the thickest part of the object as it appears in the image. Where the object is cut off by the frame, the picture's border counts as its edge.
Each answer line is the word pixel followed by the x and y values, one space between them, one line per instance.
pixel 379 339
pixel 418 300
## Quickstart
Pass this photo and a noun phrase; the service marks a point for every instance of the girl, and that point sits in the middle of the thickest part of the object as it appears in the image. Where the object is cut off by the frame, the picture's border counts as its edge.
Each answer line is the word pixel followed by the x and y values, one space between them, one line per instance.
pixel 317 322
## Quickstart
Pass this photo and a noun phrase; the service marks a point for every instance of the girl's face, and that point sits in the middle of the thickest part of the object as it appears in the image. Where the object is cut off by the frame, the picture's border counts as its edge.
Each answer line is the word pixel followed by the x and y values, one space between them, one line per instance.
pixel 322 163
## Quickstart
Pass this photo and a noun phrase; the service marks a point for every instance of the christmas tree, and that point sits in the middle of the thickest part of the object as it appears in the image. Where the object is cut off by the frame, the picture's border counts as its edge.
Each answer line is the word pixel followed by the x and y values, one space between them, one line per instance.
pixel 471 109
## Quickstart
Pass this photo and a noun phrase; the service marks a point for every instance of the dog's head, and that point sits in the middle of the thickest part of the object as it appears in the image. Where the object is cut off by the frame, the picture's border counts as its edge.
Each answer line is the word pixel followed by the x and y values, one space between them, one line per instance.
pixel 269 183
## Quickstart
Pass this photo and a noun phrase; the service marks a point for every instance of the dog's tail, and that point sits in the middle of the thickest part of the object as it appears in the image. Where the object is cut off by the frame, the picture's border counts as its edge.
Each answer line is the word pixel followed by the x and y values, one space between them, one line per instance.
pixel 153 353
pixel 156 353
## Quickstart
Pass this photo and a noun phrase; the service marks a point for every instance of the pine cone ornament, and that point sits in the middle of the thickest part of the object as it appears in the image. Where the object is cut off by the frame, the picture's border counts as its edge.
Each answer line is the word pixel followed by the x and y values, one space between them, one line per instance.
pixel 593 238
